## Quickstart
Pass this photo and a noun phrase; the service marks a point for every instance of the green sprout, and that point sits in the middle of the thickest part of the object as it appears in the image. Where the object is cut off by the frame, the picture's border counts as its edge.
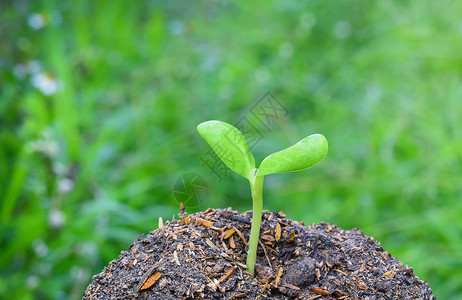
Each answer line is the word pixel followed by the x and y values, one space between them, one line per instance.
pixel 232 148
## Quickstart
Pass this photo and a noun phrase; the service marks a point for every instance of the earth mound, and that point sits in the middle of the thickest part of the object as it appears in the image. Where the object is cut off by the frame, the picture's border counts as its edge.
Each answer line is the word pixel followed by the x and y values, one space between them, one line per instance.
pixel 202 256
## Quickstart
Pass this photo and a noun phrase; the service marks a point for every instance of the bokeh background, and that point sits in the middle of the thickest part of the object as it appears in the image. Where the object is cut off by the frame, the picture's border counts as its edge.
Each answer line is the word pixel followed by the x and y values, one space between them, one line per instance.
pixel 99 101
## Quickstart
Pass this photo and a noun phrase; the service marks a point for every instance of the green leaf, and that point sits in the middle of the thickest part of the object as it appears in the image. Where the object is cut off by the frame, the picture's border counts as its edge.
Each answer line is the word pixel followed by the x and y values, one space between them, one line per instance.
pixel 229 144
pixel 304 154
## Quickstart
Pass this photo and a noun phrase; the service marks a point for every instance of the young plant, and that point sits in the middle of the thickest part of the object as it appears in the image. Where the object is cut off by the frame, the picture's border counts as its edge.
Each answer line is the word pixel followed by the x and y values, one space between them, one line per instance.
pixel 232 148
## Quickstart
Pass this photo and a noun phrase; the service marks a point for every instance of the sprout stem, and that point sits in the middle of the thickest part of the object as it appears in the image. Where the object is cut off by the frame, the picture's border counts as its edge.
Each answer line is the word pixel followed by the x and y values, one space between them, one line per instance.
pixel 256 186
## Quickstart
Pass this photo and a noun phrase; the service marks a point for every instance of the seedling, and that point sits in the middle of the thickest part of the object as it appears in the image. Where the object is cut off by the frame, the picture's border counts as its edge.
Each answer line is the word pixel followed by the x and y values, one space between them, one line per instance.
pixel 232 148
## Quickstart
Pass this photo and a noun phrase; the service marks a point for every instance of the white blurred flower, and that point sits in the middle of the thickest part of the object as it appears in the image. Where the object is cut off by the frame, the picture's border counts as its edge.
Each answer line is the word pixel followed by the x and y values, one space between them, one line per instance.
pixel 89 250
pixel 47 145
pixel 32 282
pixel 44 269
pixel 34 66
pixel 286 50
pixel 342 29
pixel 307 20
pixel 59 168
pixel 19 71
pixel 49 148
pixel 79 273
pixel 36 21
pixel 65 185
pixel 29 68
pixel 262 74
pixel 40 248
pixel 56 219
pixel 47 84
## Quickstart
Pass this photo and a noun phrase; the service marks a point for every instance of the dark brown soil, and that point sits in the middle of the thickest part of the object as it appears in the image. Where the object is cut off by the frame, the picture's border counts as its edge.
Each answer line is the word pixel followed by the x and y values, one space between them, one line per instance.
pixel 202 256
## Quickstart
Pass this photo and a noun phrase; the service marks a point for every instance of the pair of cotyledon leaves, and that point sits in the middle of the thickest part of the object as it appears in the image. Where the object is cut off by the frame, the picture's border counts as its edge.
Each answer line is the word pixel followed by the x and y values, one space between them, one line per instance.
pixel 232 148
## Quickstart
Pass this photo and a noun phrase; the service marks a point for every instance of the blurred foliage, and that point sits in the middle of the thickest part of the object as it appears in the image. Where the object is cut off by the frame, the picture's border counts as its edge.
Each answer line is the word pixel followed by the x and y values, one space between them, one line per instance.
pixel 99 101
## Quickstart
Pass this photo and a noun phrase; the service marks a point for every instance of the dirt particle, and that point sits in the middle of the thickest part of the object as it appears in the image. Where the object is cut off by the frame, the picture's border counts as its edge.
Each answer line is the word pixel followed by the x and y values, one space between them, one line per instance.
pixel 301 272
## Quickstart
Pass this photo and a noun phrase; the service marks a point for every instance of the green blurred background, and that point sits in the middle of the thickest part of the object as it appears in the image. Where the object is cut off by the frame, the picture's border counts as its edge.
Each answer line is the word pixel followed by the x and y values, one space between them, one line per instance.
pixel 99 101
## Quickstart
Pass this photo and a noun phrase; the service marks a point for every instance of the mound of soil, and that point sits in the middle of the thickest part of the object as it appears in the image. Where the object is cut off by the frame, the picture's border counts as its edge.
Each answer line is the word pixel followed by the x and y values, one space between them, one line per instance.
pixel 202 256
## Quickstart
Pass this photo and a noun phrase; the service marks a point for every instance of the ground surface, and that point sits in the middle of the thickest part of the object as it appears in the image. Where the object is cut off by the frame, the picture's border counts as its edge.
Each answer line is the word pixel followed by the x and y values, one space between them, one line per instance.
pixel 202 256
